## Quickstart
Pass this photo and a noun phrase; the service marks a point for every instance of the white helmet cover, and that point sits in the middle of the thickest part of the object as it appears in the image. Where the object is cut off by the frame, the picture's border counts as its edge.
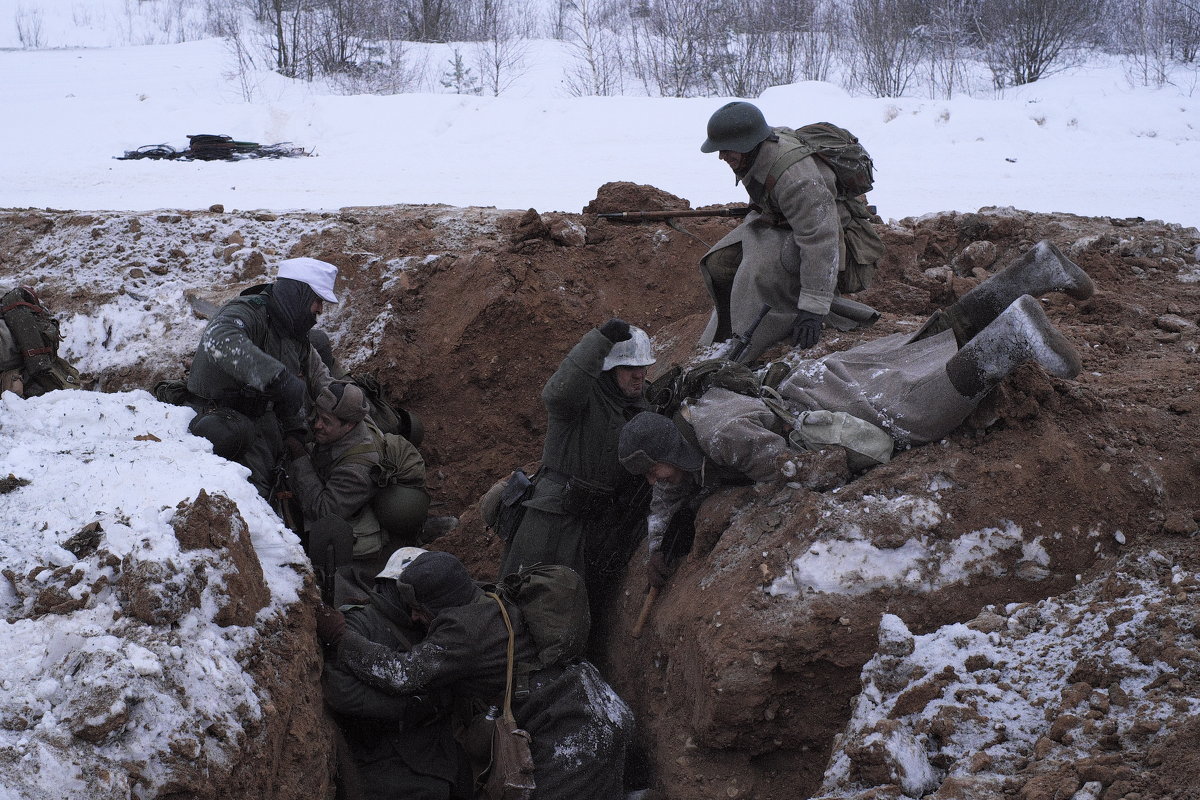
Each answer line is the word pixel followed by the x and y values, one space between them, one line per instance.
pixel 633 352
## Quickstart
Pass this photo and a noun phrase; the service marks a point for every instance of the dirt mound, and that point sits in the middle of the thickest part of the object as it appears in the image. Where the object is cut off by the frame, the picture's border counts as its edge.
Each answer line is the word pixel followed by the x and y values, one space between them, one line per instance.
pixel 746 674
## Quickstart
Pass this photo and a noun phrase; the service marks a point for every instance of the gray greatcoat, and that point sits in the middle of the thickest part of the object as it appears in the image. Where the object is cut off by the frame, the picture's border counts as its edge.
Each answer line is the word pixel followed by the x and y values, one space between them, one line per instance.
pixel 240 353
pixel 895 383
pixel 579 727
pixel 790 263
pixel 403 746
pixel 585 412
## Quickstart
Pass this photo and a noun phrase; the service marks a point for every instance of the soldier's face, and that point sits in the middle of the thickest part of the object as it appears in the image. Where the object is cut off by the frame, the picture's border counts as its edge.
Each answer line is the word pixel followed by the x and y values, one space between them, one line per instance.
pixel 317 307
pixel 630 380
pixel 736 161
pixel 327 428
pixel 662 471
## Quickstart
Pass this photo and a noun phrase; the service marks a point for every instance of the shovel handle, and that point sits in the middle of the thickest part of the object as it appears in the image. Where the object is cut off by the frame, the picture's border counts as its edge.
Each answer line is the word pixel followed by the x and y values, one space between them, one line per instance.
pixel 645 613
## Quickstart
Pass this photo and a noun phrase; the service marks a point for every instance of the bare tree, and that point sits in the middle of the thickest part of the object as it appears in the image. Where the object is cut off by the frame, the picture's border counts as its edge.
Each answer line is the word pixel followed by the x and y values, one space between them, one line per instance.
pixel 950 42
pixel 503 45
pixel 29 27
pixel 1025 40
pixel 667 45
pixel 596 49
pixel 890 44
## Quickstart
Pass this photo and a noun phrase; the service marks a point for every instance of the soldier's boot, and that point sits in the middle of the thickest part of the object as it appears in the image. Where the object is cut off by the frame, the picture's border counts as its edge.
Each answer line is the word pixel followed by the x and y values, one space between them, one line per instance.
pixel 1040 270
pixel 1021 333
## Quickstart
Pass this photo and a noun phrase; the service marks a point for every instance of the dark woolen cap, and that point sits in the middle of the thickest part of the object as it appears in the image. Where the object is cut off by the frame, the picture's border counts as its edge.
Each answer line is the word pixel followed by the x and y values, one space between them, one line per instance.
pixel 650 438
pixel 440 581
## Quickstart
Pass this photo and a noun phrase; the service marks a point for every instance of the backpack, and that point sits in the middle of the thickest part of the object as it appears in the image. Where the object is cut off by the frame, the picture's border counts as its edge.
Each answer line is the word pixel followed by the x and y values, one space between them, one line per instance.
pixel 34 344
pixel 388 418
pixel 854 171
pixel 554 603
pixel 667 392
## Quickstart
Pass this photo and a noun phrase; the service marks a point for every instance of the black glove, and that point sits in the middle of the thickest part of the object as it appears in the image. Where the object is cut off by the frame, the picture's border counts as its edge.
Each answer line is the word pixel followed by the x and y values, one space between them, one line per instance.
pixel 616 330
pixel 806 329
pixel 331 624
pixel 288 392
pixel 657 572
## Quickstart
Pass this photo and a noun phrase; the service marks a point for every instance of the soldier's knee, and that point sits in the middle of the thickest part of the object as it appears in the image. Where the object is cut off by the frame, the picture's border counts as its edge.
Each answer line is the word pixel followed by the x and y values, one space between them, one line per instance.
pixel 229 431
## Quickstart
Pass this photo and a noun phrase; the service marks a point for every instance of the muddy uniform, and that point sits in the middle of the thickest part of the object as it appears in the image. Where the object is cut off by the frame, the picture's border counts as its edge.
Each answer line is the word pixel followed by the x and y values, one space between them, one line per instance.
pixel 245 347
pixel 586 511
pixel 787 255
pixel 403 746
pixel 579 727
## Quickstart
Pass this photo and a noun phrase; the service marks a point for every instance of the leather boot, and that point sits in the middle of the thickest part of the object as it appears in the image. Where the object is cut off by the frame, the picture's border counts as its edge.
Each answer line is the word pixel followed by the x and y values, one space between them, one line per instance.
pixel 1040 270
pixel 1021 333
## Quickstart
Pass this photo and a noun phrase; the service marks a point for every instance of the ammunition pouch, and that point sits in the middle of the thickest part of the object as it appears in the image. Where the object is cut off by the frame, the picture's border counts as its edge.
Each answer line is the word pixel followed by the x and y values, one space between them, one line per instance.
pixel 511 510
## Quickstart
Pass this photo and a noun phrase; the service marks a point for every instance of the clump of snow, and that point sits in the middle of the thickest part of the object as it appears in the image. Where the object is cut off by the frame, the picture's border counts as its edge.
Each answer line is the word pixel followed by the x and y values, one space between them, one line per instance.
pixel 843 559
pixel 93 481
pixel 1053 682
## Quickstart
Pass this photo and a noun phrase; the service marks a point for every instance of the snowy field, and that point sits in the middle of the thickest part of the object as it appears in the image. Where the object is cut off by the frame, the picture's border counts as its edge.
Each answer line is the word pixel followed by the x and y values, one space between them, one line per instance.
pixel 1086 143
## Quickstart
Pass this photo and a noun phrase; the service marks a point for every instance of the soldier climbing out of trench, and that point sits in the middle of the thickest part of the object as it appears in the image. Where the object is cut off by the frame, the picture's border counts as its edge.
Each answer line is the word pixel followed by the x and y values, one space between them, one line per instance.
pixel 848 409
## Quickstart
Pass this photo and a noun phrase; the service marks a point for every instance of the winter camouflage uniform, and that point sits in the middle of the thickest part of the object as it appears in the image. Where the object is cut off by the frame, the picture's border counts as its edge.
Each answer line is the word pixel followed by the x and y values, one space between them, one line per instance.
pixel 403 746
pixel 241 351
pixel 585 411
pixel 787 255
pixel 579 727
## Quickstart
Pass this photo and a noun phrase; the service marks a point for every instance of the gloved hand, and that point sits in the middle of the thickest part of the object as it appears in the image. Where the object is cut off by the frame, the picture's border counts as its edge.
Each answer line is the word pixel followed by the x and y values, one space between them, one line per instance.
pixel 331 624
pixel 288 392
pixel 657 571
pixel 293 444
pixel 806 329
pixel 616 330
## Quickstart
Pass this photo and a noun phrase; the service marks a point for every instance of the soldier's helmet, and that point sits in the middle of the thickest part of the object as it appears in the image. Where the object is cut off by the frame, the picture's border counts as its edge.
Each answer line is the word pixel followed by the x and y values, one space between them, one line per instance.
pixel 737 126
pixel 633 352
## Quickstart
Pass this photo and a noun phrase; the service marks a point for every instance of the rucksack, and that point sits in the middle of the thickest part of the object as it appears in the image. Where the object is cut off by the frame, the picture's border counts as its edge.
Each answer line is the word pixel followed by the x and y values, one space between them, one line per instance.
pixel 554 603
pixel 34 344
pixel 387 417
pixel 854 171
pixel 667 392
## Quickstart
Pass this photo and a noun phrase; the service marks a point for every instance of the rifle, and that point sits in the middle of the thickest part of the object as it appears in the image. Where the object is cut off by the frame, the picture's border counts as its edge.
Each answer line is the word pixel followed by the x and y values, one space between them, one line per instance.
pixel 740 341
pixel 637 216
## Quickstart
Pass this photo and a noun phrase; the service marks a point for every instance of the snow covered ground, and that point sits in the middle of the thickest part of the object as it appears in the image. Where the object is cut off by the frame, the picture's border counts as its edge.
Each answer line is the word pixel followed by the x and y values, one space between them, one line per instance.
pixel 1085 143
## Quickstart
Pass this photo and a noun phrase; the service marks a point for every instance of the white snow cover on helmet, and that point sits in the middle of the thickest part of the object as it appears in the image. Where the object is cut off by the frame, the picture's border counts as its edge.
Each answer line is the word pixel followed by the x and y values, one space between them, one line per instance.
pixel 319 275
pixel 399 560
pixel 633 352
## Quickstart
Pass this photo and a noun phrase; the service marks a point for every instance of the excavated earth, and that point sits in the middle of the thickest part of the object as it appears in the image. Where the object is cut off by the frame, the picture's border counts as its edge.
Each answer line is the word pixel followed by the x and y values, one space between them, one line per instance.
pixel 744 681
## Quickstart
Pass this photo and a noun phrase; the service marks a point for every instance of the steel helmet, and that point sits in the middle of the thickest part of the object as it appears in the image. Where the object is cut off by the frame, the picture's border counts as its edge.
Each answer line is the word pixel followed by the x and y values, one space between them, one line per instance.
pixel 737 126
pixel 399 560
pixel 633 352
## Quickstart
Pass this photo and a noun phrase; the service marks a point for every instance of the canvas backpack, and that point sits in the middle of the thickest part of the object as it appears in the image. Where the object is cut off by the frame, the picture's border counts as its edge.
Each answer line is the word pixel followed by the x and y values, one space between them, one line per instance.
pixel 388 418
pixel 554 603
pixel 34 344
pixel 854 171
pixel 668 392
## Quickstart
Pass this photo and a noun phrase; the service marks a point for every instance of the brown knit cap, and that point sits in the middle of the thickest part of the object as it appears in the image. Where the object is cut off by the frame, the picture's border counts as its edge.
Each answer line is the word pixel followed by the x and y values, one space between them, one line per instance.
pixel 345 401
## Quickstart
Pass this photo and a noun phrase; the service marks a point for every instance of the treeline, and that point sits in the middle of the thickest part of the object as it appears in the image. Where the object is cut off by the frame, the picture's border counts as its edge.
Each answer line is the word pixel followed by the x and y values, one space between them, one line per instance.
pixel 687 48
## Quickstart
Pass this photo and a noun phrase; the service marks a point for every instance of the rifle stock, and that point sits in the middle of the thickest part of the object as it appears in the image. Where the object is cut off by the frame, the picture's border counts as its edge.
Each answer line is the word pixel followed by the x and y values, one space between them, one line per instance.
pixel 636 216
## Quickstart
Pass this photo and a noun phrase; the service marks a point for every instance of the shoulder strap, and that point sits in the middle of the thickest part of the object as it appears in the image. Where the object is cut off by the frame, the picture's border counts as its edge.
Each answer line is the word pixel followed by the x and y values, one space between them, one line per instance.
pixel 508 678
pixel 794 154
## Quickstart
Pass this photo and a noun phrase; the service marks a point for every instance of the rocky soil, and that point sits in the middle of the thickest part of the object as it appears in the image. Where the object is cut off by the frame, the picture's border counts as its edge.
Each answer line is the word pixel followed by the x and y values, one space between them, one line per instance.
pixel 1049 542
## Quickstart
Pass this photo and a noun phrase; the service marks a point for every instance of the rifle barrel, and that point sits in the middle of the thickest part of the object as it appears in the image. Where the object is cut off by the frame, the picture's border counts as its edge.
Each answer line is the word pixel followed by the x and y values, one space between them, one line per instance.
pixel 739 211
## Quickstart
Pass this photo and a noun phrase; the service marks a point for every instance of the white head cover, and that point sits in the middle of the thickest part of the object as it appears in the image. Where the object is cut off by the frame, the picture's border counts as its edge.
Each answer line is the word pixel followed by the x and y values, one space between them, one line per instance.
pixel 633 352
pixel 399 560
pixel 319 275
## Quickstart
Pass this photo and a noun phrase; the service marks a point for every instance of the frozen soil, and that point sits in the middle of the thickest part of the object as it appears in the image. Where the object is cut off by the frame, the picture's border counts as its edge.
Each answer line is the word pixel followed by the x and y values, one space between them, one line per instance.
pixel 1049 544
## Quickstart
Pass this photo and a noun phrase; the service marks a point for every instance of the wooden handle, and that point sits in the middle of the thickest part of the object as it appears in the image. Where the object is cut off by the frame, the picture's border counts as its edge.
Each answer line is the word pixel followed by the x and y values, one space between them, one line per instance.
pixel 645 613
